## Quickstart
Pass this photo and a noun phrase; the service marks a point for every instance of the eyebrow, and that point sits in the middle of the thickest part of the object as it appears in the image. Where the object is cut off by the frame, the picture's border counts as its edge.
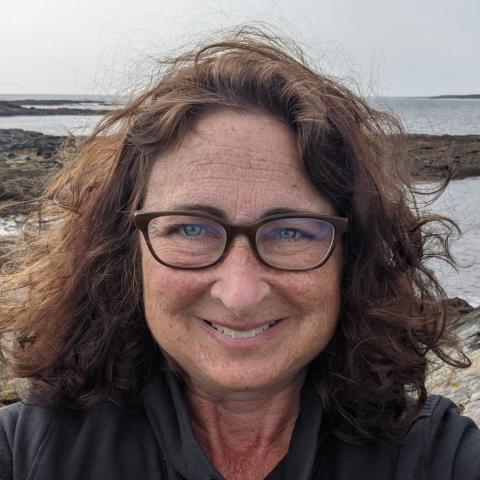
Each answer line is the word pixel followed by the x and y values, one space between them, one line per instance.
pixel 201 207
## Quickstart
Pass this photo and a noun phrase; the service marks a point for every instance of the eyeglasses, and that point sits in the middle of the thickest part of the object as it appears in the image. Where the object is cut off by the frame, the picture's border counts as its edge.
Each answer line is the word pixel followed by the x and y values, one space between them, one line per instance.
pixel 191 240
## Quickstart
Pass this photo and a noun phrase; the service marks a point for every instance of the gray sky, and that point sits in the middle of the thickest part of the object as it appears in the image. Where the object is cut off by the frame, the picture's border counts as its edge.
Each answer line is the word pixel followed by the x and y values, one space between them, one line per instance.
pixel 387 47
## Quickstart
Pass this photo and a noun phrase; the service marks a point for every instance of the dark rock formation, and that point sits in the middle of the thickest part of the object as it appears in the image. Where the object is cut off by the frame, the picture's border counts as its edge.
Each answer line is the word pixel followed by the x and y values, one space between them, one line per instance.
pixel 434 155
pixel 11 108
pixel 14 140
pixel 27 159
pixel 459 305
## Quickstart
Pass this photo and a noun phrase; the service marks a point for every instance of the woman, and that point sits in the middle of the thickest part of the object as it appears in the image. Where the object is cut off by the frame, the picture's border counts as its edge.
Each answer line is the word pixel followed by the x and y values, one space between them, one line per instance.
pixel 231 284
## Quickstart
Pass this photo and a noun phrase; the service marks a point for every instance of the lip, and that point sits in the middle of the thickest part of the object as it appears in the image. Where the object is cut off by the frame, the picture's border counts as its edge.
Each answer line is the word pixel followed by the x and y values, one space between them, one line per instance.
pixel 245 343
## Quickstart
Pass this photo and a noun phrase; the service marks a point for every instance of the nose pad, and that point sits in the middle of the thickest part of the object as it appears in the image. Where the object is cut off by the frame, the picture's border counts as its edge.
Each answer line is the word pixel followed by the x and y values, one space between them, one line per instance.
pixel 240 285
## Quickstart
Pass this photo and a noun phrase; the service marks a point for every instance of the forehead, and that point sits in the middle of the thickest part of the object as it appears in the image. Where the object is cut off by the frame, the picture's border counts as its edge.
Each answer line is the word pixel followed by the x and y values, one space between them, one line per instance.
pixel 238 162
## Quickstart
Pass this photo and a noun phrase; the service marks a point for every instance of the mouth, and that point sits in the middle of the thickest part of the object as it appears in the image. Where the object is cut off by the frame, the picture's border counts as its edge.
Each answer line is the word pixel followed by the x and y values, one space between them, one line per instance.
pixel 241 334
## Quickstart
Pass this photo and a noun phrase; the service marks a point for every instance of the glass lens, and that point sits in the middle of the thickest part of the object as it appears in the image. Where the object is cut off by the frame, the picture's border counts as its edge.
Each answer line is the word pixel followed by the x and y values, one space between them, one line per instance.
pixel 295 242
pixel 186 240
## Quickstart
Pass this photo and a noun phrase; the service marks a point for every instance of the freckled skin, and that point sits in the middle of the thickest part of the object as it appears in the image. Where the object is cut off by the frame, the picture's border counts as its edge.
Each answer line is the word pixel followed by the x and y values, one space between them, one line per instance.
pixel 244 402
pixel 244 164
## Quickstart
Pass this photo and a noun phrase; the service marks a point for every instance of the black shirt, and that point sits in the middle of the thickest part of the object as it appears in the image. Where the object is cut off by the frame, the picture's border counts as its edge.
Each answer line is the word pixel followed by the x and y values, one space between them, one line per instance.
pixel 157 442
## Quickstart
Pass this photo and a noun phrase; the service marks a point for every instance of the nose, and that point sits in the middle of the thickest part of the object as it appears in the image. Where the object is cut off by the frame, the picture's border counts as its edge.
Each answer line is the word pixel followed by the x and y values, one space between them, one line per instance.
pixel 240 284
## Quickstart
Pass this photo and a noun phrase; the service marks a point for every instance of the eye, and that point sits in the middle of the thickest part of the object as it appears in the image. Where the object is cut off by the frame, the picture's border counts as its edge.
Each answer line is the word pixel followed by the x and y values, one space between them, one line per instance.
pixel 193 230
pixel 295 230
pixel 184 228
pixel 289 233
pixel 187 230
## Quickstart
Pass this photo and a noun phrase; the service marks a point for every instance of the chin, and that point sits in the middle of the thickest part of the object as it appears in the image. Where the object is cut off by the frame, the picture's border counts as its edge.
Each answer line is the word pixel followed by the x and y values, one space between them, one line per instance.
pixel 247 380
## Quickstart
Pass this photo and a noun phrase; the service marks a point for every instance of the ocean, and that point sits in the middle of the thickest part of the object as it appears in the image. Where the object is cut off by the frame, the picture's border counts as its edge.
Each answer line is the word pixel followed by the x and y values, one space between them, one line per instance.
pixel 451 116
pixel 434 116
pixel 460 201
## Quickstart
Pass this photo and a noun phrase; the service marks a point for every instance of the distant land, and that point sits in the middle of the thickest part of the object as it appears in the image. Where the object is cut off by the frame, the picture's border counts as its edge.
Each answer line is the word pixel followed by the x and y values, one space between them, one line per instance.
pixel 472 96
pixel 55 101
pixel 12 108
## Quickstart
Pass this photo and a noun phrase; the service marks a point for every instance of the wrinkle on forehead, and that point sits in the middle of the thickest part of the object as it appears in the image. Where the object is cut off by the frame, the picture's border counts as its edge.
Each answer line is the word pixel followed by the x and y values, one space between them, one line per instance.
pixel 221 138
pixel 238 162
pixel 239 126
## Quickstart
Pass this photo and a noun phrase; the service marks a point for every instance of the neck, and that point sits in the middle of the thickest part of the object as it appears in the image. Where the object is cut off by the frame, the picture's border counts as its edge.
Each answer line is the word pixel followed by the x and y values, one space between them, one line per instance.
pixel 245 434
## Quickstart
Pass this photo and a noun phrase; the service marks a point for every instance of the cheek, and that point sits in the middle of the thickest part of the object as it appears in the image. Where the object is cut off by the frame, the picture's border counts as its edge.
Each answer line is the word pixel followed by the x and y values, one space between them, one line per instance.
pixel 166 292
pixel 319 298
pixel 319 290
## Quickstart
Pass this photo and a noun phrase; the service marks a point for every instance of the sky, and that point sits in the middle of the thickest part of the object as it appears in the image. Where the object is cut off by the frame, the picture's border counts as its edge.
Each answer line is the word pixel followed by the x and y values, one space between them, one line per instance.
pixel 379 47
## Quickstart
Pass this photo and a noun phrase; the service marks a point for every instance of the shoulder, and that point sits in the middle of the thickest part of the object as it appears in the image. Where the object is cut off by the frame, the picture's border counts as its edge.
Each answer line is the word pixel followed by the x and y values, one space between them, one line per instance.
pixel 37 439
pixel 440 444
pixel 23 429
pixel 445 443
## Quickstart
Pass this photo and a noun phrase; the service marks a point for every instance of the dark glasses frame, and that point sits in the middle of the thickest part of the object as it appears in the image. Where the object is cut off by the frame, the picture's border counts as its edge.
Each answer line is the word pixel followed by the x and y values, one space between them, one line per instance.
pixel 142 218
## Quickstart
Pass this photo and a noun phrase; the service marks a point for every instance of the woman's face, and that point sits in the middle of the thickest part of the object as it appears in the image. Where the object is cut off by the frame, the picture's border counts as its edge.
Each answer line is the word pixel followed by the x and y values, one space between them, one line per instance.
pixel 242 164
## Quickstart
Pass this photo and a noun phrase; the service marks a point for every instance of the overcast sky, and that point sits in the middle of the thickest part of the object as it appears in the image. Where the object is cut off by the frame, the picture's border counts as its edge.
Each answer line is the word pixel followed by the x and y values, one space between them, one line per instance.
pixel 386 47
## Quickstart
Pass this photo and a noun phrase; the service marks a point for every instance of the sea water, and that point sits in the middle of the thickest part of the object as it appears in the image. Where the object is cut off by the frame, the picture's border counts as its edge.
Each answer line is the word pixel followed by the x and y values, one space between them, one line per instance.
pixel 434 116
pixel 460 201
pixel 61 124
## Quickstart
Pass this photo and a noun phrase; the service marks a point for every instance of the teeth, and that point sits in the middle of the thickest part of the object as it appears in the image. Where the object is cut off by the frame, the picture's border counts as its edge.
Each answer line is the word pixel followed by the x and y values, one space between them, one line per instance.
pixel 237 334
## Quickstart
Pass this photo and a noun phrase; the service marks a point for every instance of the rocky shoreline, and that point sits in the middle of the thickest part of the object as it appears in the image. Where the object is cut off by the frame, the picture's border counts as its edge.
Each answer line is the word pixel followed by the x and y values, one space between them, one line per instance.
pixel 28 158
pixel 30 107
pixel 462 386
pixel 433 155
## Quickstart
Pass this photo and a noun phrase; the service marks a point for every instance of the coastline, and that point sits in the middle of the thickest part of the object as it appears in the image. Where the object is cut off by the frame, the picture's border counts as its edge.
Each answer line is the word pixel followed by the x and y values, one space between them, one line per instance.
pixel 28 158
pixel 10 108
pixel 433 155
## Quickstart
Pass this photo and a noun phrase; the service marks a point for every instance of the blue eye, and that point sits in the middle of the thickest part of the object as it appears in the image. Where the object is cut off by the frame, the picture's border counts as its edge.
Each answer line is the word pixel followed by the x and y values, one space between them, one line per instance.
pixel 192 230
pixel 291 234
pixel 288 233
pixel 296 231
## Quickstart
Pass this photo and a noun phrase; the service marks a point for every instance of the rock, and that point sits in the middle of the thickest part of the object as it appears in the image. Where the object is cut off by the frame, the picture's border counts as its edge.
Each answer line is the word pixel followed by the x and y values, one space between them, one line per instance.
pixel 14 139
pixel 27 159
pixel 434 154
pixel 459 305
pixel 15 107
pixel 462 385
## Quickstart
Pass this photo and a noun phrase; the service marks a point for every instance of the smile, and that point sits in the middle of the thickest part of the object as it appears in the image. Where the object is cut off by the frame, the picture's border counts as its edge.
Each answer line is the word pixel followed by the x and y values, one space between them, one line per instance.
pixel 229 332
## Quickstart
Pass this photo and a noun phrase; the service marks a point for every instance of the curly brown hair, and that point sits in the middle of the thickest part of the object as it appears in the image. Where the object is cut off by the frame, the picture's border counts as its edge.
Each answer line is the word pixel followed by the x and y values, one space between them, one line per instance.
pixel 72 316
